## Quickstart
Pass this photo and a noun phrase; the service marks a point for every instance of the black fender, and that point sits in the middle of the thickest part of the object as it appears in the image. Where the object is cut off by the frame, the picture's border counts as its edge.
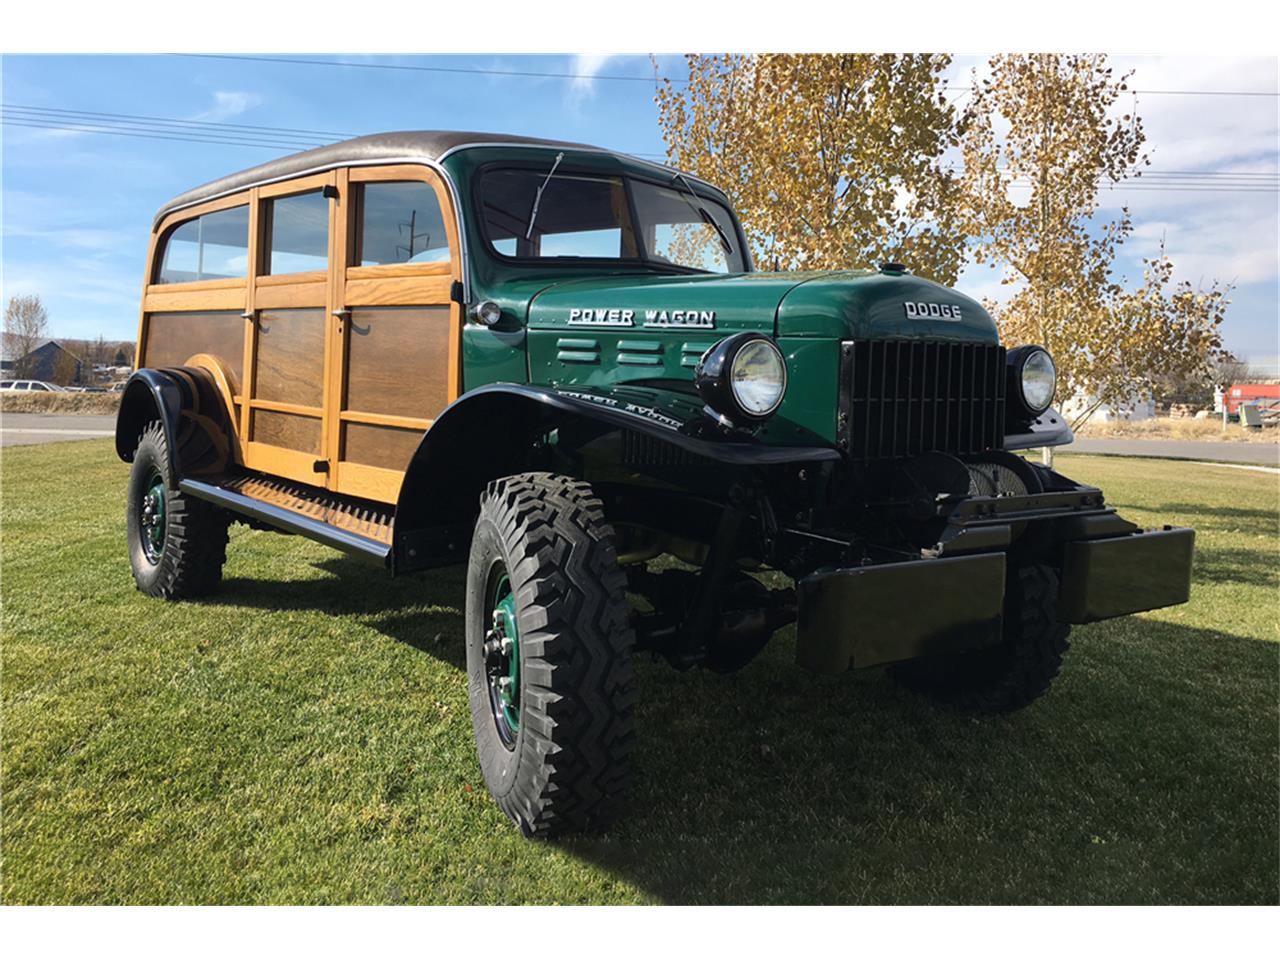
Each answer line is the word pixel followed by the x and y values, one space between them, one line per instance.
pixel 190 407
pixel 486 434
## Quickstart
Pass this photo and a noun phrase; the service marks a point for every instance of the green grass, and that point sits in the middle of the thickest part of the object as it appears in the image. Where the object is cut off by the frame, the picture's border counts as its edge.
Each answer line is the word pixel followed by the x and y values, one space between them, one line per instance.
pixel 304 737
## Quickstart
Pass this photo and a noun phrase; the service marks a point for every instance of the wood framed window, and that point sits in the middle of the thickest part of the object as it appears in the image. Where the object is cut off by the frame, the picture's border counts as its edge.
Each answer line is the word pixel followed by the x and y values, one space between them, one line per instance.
pixel 398 359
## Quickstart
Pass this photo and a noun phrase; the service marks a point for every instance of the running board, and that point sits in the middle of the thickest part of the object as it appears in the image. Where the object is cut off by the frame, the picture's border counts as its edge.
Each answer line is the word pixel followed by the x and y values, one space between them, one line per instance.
pixel 237 494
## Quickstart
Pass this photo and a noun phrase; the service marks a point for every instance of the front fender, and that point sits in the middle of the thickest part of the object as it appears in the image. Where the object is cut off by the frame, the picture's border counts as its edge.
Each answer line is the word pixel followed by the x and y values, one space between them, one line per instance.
pixel 490 432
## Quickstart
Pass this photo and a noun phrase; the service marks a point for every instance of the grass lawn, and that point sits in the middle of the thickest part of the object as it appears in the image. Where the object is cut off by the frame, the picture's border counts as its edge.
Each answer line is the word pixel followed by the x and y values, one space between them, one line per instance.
pixel 304 737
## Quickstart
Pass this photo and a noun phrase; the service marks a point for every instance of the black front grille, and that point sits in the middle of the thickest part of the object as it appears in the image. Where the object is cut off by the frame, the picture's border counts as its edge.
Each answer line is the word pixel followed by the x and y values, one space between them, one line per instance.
pixel 903 397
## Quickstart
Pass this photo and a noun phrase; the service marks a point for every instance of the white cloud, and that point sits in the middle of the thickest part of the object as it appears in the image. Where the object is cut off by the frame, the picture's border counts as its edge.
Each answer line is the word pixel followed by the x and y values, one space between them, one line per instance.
pixel 228 104
pixel 585 66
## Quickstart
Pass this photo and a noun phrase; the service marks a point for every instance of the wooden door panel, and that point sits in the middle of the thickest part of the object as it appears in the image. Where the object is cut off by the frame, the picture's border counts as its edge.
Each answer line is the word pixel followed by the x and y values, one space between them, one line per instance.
pixel 397 361
pixel 290 364
pixel 379 445
pixel 290 431
pixel 287 356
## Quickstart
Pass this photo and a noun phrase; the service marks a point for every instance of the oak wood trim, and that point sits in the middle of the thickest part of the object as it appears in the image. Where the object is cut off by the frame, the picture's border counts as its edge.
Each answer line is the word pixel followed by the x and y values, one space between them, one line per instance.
pixel 292 296
pixel 340 239
pixel 189 285
pixel 370 483
pixel 250 308
pixel 399 270
pixel 283 462
pixel 392 171
pixel 279 406
pixel 286 279
pixel 398 291
pixel 384 420
pixel 177 300
pixel 285 188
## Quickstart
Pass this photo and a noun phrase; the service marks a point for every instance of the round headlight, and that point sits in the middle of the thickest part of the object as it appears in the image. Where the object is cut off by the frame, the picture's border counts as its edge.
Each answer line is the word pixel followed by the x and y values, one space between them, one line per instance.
pixel 1038 380
pixel 758 377
pixel 742 378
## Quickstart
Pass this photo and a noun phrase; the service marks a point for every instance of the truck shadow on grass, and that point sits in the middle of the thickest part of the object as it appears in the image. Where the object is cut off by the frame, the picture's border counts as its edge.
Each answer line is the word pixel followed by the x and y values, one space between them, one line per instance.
pixel 1147 775
pixel 422 610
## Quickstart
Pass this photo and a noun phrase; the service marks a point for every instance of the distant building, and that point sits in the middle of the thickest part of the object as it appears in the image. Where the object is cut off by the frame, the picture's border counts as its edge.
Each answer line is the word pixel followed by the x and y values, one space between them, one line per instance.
pixel 49 361
pixel 1136 408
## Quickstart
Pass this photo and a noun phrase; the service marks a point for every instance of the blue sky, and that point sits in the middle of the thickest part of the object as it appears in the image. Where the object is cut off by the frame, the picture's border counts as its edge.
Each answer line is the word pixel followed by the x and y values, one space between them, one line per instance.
pixel 77 207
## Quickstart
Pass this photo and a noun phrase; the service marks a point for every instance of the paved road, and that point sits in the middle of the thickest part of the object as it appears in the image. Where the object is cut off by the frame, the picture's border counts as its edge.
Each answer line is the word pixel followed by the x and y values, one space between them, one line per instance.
pixel 17 429
pixel 1225 450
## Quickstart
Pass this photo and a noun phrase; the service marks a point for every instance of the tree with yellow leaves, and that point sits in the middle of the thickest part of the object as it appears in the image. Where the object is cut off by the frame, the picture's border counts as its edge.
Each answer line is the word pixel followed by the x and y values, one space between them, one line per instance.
pixel 1039 138
pixel 833 161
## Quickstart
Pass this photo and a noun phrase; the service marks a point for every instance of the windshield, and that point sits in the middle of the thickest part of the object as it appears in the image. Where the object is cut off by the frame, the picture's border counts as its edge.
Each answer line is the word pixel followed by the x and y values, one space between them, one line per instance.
pixel 590 216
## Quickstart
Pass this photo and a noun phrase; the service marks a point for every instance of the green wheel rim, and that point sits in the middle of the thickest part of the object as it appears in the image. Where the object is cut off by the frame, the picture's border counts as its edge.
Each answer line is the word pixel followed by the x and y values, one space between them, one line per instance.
pixel 152 517
pixel 502 656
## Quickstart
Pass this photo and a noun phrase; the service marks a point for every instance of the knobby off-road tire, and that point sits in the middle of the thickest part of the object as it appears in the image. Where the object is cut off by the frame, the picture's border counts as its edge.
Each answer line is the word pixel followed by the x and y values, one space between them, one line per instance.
pixel 1011 674
pixel 193 533
pixel 566 765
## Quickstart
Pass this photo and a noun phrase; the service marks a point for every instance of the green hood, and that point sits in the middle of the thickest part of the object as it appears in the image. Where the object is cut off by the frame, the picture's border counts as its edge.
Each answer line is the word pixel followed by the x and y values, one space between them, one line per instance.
pixel 741 301
pixel 861 305
pixel 604 332
pixel 839 305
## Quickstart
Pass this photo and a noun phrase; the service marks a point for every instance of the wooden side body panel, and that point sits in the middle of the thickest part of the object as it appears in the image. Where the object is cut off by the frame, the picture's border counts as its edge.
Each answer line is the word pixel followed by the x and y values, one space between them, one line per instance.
pixel 330 376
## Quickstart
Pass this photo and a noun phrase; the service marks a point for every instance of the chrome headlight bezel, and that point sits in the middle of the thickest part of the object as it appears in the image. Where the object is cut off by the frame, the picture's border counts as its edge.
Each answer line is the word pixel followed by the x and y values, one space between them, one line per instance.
pixel 1028 366
pixel 723 382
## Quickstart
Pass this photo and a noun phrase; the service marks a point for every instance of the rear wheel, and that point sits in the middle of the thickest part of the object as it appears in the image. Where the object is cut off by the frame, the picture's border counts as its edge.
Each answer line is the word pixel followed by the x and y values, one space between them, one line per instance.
pixel 1014 672
pixel 549 647
pixel 177 544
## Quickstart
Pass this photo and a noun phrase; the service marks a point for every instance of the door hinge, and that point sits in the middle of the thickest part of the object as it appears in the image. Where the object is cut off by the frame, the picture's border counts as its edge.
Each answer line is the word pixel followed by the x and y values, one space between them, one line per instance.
pixel 456 292
pixel 330 192
pixel 320 466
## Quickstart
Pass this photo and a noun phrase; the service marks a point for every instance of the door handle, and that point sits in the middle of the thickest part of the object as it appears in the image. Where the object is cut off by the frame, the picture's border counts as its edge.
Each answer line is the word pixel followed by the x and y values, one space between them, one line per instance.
pixel 342 314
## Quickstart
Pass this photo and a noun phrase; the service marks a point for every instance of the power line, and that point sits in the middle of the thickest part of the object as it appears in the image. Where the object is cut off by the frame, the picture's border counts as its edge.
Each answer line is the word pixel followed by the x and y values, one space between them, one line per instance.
pixel 307 134
pixel 564 75
pixel 287 138
pixel 10 122
pixel 482 71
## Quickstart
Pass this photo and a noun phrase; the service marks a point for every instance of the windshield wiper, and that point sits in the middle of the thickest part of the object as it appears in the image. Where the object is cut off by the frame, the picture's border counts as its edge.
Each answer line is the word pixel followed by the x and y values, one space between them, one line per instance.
pixel 537 197
pixel 702 211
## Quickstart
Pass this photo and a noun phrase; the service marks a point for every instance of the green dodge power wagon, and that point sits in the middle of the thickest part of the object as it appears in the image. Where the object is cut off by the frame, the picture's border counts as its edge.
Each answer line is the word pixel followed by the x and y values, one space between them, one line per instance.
pixel 557 365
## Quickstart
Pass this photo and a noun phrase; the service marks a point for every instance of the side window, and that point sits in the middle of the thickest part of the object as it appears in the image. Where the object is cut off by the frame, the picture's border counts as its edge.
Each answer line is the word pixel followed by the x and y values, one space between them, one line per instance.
pixel 214 246
pixel 399 222
pixel 297 233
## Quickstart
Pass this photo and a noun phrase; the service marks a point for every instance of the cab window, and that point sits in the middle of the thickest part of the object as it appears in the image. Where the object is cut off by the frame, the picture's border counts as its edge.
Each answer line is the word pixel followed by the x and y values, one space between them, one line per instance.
pixel 297 233
pixel 213 246
pixel 399 222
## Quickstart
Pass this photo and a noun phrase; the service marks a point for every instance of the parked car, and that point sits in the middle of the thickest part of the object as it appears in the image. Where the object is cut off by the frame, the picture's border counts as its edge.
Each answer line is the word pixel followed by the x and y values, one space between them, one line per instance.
pixel 15 386
pixel 555 364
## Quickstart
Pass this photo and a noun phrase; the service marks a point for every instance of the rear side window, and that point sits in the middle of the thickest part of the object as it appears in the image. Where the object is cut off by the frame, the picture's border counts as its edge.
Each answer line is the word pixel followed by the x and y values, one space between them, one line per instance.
pixel 400 222
pixel 214 246
pixel 6 384
pixel 297 233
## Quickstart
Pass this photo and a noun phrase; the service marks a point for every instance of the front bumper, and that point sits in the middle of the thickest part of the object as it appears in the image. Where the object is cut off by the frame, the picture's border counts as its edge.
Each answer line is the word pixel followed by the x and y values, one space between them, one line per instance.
pixel 864 616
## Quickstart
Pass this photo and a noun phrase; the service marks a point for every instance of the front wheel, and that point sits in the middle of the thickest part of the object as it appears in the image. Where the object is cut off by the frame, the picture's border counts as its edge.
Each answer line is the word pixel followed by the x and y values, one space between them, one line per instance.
pixel 1012 673
pixel 549 647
